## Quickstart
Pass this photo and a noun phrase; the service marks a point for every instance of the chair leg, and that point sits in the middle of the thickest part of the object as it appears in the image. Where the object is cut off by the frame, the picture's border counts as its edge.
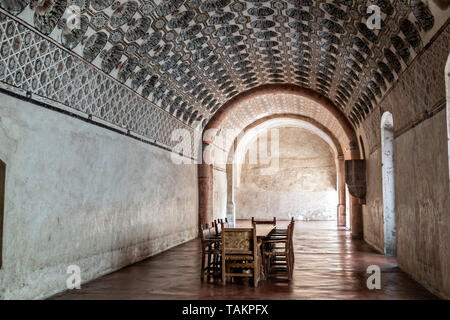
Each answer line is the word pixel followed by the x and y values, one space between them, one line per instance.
pixel 264 260
pixel 268 264
pixel 208 268
pixel 288 266
pixel 219 264
pixel 224 273
pixel 258 266
pixel 214 263
pixel 202 274
pixel 255 284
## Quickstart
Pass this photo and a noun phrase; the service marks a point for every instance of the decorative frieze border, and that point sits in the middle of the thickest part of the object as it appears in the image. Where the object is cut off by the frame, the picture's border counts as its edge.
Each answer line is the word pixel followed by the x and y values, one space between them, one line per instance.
pixel 34 67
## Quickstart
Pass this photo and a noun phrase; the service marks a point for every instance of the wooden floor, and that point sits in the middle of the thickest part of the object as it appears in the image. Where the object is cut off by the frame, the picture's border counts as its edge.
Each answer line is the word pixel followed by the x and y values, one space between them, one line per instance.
pixel 328 265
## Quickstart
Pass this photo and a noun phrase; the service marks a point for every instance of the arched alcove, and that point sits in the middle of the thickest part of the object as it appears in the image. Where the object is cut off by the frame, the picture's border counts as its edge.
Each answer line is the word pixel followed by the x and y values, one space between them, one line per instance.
pixel 237 153
pixel 388 179
pixel 287 172
pixel 237 157
pixel 286 208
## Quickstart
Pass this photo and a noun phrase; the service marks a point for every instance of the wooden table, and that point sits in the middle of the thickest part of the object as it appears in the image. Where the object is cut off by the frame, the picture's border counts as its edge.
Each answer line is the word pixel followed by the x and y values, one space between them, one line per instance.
pixel 263 230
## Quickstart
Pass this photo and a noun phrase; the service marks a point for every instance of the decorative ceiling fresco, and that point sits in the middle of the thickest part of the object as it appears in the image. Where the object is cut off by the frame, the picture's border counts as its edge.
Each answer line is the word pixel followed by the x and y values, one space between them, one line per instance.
pixel 190 57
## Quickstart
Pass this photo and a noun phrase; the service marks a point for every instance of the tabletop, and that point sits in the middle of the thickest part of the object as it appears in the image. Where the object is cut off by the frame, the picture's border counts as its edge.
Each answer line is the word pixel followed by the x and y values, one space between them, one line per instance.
pixel 263 230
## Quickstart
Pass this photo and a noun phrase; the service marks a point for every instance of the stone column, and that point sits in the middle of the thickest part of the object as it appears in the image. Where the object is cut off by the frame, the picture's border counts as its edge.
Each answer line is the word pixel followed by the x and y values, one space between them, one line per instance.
pixel 230 195
pixel 355 178
pixel 341 212
pixel 355 217
pixel 204 193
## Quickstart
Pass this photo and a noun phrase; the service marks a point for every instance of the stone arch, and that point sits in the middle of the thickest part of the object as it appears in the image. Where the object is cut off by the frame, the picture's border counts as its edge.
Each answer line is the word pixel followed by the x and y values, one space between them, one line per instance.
pixel 388 180
pixel 362 147
pixel 350 148
pixel 225 110
pixel 237 151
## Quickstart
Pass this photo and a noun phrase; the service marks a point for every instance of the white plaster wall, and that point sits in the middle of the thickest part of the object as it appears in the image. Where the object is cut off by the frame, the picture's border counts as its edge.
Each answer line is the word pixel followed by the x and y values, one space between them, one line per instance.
pixel 304 206
pixel 84 195
pixel 422 200
pixel 373 209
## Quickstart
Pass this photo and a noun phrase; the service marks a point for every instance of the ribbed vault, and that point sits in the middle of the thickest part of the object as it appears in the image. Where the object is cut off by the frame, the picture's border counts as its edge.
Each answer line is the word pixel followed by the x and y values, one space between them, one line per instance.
pixel 191 57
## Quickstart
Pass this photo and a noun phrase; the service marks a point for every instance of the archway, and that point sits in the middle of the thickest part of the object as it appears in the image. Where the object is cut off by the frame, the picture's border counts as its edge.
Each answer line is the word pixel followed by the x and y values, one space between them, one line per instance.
pixel 241 144
pixel 266 101
pixel 387 167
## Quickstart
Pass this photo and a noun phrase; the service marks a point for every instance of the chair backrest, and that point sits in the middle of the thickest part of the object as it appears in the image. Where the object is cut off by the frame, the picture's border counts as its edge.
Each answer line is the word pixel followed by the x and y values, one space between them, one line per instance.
pixel 239 241
pixel 218 227
pixel 290 234
pixel 274 221
pixel 205 232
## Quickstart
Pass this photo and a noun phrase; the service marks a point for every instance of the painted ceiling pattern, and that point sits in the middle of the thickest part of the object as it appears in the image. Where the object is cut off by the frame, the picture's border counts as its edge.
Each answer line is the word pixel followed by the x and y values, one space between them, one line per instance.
pixel 271 104
pixel 189 57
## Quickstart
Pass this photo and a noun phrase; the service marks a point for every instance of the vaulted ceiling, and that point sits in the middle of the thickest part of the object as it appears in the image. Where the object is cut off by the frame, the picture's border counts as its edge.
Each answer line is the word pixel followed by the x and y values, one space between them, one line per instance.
pixel 190 57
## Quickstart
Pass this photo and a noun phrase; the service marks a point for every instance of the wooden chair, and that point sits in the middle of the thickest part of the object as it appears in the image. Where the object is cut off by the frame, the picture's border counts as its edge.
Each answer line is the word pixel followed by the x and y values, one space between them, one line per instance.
pixel 218 224
pixel 210 253
pixel 239 253
pixel 280 231
pixel 282 234
pixel 278 254
pixel 218 227
pixel 274 221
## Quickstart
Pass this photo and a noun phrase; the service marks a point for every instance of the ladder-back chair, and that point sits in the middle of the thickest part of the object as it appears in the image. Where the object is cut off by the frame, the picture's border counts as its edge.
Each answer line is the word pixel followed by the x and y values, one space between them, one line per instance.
pixel 210 264
pixel 240 253
pixel 278 254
